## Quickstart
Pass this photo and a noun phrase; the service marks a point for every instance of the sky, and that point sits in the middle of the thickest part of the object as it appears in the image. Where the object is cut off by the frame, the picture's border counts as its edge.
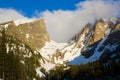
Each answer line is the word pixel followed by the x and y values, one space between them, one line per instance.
pixel 63 18
pixel 29 7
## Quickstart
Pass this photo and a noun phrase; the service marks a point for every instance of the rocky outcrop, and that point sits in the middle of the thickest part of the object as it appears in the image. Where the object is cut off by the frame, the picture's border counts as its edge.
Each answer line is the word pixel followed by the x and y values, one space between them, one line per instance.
pixel 91 37
pixel 99 32
pixel 117 25
pixel 104 34
pixel 33 34
pixel 18 55
pixel 82 36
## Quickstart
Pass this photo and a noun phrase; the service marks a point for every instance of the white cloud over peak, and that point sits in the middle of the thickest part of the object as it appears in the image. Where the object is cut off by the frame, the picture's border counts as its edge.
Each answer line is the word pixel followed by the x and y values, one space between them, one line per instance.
pixel 7 14
pixel 63 24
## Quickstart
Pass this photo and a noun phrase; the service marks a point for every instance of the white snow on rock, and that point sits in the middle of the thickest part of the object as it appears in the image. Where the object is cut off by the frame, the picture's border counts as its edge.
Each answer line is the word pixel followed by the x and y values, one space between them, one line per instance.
pixel 1 79
pixel 22 21
pixel 22 62
pixel 111 47
pixel 112 56
pixel 27 36
pixel 48 66
pixel 50 48
pixel 69 52
pixel 39 73
pixel 117 60
pixel 6 25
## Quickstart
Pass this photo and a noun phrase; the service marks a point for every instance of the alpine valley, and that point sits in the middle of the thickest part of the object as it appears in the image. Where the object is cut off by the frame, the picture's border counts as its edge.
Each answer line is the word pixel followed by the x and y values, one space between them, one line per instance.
pixel 28 53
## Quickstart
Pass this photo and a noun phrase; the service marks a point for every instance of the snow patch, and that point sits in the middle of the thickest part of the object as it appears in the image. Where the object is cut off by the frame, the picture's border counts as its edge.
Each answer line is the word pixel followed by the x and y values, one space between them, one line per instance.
pixel 66 68
pixel 39 73
pixel 50 48
pixel 34 79
pixel 27 36
pixel 6 25
pixel 48 66
pixel 1 79
pixel 117 60
pixel 22 21
pixel 28 55
pixel 71 53
pixel 111 47
pixel 22 62
pixel 113 55
pixel 103 40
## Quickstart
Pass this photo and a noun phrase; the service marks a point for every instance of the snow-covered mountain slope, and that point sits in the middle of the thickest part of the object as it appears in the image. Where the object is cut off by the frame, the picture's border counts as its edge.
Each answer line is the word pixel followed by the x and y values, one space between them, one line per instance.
pixel 30 42
pixel 59 53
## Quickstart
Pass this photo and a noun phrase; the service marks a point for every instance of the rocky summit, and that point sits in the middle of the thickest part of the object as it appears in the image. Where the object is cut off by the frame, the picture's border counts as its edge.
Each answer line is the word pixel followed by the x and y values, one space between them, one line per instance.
pixel 28 53
pixel 33 34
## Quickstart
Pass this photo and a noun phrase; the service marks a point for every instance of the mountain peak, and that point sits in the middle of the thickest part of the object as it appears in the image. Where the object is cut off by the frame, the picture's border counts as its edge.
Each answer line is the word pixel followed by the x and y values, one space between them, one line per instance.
pixel 41 54
pixel 32 32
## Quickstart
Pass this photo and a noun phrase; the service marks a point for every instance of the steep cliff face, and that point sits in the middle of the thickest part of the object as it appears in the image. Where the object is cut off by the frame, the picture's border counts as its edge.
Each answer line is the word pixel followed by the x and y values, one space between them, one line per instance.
pixel 82 37
pixel 93 36
pixel 111 45
pixel 99 31
pixel 34 33
pixel 103 42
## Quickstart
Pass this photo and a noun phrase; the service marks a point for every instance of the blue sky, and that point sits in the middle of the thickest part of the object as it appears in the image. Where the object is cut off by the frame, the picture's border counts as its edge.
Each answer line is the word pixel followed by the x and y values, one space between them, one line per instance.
pixel 28 7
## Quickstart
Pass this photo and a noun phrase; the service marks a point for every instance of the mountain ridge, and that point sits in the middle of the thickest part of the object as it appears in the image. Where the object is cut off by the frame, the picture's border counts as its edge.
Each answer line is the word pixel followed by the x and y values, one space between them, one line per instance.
pixel 89 46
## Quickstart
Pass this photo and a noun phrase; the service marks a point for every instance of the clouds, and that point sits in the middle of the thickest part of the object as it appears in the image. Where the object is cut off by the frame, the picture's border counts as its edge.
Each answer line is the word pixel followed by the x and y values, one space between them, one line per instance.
pixel 100 8
pixel 63 24
pixel 9 14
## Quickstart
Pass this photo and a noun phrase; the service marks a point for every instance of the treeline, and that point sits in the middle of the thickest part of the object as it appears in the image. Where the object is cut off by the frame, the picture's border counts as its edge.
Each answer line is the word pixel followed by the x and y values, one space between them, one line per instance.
pixel 10 66
pixel 91 71
pixel 12 53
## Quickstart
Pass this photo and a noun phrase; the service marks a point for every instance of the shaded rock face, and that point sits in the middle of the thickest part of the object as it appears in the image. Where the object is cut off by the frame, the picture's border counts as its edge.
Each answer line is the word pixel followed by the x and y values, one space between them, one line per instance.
pixel 117 25
pixel 33 34
pixel 111 45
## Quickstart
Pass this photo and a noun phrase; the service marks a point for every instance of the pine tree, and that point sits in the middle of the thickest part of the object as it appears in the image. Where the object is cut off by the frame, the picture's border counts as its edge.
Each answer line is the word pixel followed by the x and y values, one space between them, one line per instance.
pixel 3 58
